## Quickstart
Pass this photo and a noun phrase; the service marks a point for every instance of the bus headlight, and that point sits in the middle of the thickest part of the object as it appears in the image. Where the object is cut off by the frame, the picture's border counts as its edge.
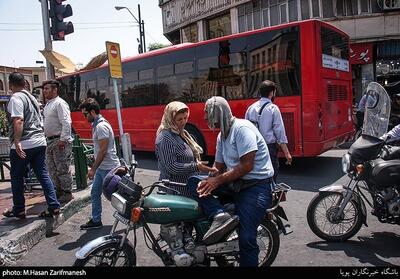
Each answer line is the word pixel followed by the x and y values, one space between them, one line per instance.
pixel 118 202
pixel 346 163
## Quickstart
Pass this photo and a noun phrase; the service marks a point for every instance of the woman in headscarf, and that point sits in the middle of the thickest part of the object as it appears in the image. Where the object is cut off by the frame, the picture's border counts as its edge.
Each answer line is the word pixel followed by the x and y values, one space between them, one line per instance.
pixel 177 152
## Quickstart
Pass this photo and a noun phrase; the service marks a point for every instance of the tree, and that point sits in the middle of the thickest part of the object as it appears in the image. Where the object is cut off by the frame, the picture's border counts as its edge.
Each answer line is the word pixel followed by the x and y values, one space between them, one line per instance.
pixel 155 46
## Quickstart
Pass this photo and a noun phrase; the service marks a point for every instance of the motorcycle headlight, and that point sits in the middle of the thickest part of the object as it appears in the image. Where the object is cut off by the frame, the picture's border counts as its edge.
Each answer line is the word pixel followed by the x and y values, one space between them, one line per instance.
pixel 346 163
pixel 118 202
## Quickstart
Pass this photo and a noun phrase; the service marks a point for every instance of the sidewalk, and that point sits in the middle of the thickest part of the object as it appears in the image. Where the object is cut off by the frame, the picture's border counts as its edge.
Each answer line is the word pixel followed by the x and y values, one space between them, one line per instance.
pixel 18 236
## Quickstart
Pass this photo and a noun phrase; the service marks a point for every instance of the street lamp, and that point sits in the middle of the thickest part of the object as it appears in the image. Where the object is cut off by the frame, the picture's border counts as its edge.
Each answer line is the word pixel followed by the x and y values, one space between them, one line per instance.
pixel 142 43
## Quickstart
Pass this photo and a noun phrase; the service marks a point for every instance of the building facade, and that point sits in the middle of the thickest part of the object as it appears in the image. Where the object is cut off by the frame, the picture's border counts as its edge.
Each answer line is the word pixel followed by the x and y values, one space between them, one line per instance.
pixel 373 27
pixel 5 92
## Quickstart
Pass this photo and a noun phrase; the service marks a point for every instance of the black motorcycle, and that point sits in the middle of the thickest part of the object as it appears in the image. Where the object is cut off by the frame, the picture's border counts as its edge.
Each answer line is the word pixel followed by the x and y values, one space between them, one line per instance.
pixel 337 212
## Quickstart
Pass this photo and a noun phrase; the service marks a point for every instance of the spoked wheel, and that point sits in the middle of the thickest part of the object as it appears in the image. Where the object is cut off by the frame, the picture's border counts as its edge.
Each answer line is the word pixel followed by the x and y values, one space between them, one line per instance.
pixel 324 221
pixel 268 242
pixel 109 255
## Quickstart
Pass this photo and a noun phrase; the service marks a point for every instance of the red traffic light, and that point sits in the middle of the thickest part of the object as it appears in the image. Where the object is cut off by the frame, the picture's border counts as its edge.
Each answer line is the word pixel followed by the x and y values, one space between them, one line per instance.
pixel 57 13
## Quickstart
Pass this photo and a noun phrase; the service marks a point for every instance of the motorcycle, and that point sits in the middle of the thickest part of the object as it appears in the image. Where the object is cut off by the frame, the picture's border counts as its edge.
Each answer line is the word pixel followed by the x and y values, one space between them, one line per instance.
pixel 337 212
pixel 183 225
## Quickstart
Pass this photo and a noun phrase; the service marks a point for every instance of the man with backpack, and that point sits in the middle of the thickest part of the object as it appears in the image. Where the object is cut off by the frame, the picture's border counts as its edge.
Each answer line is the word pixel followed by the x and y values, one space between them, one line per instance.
pixel 268 119
pixel 28 146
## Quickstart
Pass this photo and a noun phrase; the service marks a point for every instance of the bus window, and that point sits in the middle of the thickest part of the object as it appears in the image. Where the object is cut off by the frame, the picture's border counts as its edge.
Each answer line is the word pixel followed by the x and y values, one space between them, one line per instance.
pixel 184 79
pixel 70 90
pixel 104 93
pixel 334 44
pixel 283 61
pixel 222 70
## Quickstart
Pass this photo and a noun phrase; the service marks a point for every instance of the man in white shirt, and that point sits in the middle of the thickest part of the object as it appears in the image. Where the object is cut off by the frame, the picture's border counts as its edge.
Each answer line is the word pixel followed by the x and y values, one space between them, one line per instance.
pixel 57 128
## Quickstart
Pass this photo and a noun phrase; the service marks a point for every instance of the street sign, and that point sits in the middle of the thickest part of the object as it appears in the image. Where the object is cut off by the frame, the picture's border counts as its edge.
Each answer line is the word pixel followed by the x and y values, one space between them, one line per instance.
pixel 114 59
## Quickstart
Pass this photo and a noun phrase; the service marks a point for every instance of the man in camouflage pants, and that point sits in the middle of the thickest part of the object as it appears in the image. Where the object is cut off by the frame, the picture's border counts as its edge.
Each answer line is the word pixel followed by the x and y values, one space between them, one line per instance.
pixel 57 128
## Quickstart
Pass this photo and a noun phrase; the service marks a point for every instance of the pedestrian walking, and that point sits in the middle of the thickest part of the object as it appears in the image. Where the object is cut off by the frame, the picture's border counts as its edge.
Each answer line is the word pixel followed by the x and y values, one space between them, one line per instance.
pixel 267 117
pixel 28 146
pixel 57 129
pixel 105 154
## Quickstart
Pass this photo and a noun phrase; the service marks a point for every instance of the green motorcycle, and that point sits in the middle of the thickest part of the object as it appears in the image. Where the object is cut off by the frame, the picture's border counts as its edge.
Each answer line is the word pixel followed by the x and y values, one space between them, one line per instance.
pixel 179 242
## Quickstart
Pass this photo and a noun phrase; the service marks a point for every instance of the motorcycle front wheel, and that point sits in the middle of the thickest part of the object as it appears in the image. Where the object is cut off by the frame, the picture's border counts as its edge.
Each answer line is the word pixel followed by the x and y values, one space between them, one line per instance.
pixel 109 255
pixel 268 242
pixel 324 222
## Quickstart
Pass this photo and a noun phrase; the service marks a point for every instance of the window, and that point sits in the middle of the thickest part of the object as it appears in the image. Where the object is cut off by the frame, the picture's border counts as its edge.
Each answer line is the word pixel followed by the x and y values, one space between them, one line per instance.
pixel 282 62
pixel 327 9
pixel 282 9
pixel 293 10
pixel 190 34
pixel 365 6
pixel 347 7
pixel 185 67
pixel 315 8
pixel 225 77
pixel 166 70
pixel 70 91
pixel 334 44
pixel 35 78
pixel 305 9
pixel 219 27
pixel 1 85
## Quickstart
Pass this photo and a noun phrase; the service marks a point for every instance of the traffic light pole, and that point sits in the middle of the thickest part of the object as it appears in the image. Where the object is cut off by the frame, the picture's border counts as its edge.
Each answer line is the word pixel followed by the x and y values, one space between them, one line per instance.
pixel 47 40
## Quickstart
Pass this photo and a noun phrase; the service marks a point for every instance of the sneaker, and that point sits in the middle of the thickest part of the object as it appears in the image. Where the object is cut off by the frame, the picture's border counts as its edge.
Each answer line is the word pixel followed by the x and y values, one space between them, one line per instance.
pixel 221 225
pixel 91 225
pixel 65 198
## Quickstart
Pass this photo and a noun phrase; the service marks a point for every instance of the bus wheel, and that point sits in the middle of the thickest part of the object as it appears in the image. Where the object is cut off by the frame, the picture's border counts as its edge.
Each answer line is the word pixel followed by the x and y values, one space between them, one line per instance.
pixel 198 137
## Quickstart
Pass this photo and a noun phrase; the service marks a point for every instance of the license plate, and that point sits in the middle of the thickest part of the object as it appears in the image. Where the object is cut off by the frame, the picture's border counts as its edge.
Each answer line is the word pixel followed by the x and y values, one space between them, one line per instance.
pixel 121 218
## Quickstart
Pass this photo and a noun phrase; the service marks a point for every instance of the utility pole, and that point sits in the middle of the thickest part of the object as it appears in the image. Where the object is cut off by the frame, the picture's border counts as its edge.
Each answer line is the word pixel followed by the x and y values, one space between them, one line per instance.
pixel 141 31
pixel 47 40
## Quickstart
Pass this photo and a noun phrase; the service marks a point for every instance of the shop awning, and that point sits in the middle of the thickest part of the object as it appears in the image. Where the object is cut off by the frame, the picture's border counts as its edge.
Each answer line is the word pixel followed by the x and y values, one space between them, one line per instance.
pixel 59 61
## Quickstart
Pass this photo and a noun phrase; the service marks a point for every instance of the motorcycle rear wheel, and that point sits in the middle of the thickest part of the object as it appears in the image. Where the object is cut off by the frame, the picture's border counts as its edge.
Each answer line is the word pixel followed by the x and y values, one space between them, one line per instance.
pixel 268 242
pixel 108 255
pixel 323 224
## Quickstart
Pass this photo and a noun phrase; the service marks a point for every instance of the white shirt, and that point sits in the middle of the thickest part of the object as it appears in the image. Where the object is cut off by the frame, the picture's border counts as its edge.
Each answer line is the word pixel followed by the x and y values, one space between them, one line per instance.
pixel 16 109
pixel 270 122
pixel 57 119
pixel 395 132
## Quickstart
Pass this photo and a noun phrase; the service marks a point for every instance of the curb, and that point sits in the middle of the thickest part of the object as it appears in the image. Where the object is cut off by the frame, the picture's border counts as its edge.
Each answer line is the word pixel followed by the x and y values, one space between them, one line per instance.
pixel 21 240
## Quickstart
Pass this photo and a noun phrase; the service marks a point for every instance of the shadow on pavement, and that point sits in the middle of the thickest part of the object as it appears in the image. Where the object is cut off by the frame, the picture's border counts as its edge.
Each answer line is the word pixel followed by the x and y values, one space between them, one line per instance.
pixel 323 170
pixel 85 238
pixel 372 250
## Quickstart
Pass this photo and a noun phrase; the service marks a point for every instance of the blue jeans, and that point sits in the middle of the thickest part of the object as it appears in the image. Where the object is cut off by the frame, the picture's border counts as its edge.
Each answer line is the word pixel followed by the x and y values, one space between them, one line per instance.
pixel 97 190
pixel 36 158
pixel 250 206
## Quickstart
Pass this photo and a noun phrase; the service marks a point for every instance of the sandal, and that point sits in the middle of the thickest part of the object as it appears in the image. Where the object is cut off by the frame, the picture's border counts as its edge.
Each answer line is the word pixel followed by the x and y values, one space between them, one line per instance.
pixel 50 212
pixel 9 213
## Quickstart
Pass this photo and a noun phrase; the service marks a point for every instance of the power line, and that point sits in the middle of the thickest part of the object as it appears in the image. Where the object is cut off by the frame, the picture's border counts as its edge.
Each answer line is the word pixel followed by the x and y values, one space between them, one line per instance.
pixel 81 28
pixel 35 23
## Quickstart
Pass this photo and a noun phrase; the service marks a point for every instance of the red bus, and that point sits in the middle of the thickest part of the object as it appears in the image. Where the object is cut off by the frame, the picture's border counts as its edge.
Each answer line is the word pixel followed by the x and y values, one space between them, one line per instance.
pixel 309 60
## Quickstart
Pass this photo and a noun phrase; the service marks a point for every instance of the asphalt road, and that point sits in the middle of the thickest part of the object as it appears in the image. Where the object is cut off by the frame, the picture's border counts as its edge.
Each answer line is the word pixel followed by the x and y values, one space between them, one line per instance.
pixel 375 245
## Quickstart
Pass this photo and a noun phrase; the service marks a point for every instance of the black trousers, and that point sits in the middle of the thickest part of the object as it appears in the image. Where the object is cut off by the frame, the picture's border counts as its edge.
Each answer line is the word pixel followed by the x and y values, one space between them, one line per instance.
pixel 273 153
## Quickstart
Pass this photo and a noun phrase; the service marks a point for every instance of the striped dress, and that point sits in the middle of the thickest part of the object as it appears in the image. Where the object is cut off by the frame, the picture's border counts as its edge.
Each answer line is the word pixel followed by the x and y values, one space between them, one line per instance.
pixel 176 161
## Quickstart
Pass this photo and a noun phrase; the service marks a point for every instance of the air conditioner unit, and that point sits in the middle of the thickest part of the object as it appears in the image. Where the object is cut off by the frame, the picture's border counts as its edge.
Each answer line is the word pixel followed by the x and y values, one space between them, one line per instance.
pixel 391 5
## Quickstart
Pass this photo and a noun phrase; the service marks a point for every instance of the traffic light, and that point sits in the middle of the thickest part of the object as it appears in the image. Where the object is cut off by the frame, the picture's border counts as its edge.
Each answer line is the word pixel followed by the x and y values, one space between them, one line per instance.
pixel 223 56
pixel 57 13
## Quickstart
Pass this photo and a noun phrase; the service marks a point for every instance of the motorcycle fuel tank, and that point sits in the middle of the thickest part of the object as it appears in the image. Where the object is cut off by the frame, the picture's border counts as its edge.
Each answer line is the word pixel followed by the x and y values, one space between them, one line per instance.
pixel 164 209
pixel 386 173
